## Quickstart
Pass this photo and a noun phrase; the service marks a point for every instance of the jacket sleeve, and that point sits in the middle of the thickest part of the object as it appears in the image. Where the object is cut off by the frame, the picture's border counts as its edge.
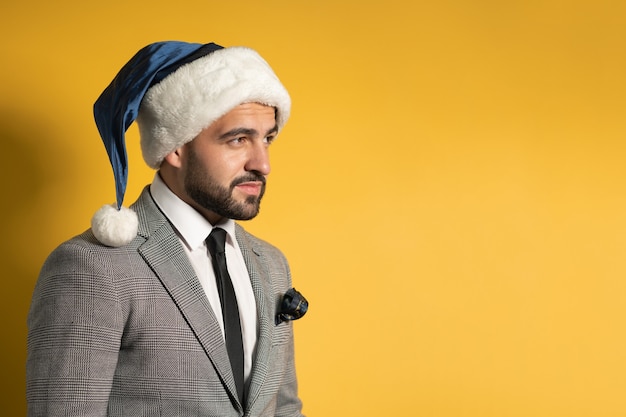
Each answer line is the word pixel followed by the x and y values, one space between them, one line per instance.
pixel 74 331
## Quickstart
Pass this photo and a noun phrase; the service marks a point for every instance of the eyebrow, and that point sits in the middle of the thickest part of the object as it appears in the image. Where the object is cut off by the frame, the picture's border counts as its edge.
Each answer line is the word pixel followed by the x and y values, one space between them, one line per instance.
pixel 246 131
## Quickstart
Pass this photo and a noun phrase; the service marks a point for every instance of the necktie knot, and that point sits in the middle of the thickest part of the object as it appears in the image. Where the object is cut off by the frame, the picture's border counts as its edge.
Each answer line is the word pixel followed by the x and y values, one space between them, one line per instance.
pixel 216 241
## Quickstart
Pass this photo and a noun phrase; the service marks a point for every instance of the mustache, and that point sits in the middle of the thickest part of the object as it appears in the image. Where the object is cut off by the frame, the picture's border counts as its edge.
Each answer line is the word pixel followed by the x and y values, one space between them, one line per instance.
pixel 252 176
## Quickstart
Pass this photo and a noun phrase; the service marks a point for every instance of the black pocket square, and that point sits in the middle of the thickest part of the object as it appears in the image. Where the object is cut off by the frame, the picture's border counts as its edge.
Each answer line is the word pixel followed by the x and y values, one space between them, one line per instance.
pixel 292 307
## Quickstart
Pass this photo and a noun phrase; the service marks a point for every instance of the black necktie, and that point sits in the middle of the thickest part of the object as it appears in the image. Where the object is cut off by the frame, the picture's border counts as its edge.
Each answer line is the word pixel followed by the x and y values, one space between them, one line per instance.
pixel 230 311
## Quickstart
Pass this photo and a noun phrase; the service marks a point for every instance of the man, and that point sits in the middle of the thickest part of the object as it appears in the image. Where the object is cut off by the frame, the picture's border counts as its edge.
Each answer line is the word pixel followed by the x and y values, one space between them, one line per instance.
pixel 141 315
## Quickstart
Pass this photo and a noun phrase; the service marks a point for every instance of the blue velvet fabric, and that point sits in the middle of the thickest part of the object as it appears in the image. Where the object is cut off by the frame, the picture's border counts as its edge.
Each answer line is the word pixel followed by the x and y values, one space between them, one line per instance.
pixel 117 107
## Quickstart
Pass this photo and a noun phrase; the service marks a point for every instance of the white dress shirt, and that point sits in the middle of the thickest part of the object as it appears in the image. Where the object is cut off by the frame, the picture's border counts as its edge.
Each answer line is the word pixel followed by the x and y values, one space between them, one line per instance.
pixel 192 229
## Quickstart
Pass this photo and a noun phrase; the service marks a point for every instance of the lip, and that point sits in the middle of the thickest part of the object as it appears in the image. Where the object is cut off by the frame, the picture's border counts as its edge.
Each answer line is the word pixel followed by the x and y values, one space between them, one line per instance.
pixel 250 188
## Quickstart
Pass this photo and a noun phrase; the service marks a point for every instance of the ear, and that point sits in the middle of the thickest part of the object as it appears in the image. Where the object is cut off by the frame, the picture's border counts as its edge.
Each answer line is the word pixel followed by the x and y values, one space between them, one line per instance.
pixel 175 157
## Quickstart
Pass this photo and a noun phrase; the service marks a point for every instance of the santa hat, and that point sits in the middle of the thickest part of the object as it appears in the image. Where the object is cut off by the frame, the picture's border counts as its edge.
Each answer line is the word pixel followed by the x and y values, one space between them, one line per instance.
pixel 174 90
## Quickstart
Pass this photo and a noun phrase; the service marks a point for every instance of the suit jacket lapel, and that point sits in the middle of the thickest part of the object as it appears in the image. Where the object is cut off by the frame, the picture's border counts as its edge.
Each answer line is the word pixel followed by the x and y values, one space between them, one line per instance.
pixel 163 252
pixel 262 292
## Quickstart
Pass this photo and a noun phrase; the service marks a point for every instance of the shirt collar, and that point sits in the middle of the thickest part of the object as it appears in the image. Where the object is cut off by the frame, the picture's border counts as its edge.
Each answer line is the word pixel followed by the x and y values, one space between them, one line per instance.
pixel 192 227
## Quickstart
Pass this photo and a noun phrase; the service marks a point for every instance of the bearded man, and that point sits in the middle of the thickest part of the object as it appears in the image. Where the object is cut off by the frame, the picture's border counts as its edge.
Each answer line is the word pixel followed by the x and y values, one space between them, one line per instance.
pixel 170 307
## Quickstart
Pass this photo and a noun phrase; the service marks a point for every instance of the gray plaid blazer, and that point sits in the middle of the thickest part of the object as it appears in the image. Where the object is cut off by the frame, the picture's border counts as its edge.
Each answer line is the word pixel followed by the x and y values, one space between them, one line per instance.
pixel 129 331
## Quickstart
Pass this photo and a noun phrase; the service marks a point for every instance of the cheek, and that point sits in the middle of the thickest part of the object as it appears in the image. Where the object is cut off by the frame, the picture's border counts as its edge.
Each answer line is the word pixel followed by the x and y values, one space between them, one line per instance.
pixel 232 165
pixel 221 164
pixel 225 169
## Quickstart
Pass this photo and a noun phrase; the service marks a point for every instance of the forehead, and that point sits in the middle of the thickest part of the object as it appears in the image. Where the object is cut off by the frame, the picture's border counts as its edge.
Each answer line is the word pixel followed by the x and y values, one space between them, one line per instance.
pixel 249 111
pixel 254 118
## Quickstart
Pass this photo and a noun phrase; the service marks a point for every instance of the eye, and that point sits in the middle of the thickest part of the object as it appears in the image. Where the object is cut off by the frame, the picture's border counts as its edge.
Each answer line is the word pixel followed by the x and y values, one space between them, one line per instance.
pixel 240 139
pixel 269 139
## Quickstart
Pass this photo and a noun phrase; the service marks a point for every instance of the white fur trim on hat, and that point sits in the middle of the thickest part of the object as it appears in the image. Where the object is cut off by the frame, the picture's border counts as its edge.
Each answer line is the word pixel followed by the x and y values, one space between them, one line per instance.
pixel 113 227
pixel 174 111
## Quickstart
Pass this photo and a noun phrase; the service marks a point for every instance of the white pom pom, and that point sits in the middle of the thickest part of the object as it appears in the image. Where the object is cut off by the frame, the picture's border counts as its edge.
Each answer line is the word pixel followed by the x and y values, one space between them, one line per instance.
pixel 113 227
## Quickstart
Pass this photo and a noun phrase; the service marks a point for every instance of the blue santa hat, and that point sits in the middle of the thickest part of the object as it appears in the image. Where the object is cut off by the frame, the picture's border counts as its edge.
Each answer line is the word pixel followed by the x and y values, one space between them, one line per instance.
pixel 174 90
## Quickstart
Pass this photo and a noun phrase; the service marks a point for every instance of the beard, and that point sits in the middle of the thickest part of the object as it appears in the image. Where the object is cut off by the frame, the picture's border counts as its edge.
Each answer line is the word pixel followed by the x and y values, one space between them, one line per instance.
pixel 209 194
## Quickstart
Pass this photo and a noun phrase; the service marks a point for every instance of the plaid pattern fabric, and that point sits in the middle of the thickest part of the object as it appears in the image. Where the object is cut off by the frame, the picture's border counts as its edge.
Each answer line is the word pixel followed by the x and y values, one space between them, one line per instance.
pixel 129 331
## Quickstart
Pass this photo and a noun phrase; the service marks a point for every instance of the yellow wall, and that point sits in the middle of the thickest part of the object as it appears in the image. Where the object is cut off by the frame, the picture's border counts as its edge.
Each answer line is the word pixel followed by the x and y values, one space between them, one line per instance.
pixel 450 190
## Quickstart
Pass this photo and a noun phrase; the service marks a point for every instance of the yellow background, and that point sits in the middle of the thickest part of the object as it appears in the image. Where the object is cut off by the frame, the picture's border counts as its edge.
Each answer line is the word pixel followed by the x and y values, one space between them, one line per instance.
pixel 450 189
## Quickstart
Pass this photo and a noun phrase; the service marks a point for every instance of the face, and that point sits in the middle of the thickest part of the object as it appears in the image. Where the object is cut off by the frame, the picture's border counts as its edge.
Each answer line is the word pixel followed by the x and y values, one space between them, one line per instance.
pixel 224 168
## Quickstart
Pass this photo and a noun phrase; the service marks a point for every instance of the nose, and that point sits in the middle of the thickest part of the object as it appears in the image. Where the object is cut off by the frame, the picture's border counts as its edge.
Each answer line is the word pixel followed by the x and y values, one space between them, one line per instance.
pixel 259 158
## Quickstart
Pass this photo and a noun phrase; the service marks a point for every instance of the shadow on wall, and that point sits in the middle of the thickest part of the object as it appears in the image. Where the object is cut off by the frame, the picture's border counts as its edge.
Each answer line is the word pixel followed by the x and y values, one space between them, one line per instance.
pixel 29 170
